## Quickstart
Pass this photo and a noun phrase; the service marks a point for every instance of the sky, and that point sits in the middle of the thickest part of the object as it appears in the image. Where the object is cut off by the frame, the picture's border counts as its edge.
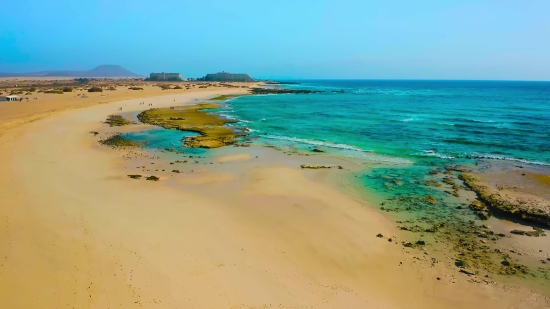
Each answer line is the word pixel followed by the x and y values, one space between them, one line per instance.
pixel 355 39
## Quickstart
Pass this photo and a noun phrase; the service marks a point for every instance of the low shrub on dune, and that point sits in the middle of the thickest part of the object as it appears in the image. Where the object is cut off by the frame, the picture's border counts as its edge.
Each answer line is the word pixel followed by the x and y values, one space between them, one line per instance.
pixel 95 89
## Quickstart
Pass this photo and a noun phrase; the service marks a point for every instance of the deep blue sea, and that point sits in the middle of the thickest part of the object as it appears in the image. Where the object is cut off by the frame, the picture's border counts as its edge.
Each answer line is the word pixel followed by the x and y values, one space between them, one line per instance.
pixel 402 121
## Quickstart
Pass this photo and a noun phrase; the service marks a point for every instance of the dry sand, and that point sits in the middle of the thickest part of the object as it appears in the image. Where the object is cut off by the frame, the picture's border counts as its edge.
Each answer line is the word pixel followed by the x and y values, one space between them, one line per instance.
pixel 77 233
pixel 15 113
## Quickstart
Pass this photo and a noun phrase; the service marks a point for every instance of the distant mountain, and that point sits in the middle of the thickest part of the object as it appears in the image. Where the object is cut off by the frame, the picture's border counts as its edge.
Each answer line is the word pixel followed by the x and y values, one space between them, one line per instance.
pixel 100 71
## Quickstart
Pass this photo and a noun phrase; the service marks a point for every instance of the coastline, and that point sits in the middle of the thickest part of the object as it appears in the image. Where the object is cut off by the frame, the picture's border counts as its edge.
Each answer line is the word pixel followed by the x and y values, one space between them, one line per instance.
pixel 272 234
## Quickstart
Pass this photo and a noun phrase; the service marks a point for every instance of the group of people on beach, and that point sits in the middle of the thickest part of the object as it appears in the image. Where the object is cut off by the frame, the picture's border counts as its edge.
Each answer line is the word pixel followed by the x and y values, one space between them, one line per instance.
pixel 140 103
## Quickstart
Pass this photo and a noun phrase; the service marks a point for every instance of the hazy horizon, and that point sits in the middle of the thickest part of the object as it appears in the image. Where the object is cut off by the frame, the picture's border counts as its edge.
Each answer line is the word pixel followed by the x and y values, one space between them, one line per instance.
pixel 427 40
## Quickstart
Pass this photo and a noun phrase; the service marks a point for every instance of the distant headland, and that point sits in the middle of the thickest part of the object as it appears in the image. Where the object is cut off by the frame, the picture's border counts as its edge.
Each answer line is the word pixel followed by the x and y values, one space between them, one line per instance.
pixel 100 71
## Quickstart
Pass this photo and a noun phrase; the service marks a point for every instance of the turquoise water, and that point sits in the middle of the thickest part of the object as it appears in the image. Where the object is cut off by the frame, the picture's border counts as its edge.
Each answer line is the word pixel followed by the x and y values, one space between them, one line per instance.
pixel 402 121
pixel 159 138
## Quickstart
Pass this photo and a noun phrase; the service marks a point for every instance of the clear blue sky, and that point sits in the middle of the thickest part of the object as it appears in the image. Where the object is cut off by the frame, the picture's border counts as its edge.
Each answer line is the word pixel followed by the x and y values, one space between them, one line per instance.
pixel 424 39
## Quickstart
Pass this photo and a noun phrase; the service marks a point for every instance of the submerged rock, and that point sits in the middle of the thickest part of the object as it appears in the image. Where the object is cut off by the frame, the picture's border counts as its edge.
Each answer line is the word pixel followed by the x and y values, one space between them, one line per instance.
pixel 433 183
pixel 430 199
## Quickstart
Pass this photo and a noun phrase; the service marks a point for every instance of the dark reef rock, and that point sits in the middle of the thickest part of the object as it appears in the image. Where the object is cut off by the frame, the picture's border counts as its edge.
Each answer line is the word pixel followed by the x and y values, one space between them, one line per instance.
pixel 281 83
pixel 500 205
pixel 282 91
pixel 536 232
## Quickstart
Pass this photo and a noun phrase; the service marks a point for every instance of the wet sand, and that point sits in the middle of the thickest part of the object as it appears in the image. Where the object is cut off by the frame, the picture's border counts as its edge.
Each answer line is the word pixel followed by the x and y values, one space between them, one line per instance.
pixel 242 232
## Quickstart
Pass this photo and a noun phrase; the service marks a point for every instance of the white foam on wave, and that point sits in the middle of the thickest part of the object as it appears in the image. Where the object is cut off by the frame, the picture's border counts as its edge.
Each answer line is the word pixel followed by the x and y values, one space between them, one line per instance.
pixel 406 120
pixel 343 149
pixel 373 157
pixel 433 153
pixel 496 157
pixel 313 142
pixel 224 115
pixel 485 121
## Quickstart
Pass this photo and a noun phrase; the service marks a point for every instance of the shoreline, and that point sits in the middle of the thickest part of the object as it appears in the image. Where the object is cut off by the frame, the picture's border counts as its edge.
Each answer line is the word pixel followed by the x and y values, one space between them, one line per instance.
pixel 272 234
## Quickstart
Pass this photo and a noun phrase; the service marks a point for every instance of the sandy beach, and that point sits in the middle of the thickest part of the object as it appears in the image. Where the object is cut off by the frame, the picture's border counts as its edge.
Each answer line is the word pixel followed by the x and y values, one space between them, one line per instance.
pixel 246 229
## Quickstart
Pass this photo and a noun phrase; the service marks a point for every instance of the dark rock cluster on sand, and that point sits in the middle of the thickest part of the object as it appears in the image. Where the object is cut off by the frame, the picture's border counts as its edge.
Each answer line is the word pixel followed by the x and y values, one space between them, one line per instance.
pixel 315 167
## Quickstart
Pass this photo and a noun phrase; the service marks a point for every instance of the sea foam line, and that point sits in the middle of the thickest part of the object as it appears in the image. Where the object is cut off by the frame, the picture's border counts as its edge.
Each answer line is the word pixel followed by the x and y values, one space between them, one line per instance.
pixel 431 153
pixel 495 157
pixel 343 149
pixel 313 142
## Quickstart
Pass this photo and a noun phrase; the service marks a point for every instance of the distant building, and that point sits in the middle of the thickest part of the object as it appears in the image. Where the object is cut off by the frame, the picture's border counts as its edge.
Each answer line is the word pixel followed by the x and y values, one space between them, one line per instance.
pixel 10 98
pixel 227 77
pixel 165 76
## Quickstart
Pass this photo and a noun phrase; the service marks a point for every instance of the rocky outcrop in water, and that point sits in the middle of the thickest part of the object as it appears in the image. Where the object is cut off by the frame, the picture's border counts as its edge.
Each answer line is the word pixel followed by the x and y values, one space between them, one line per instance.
pixel 281 83
pixel 213 133
pixel 282 91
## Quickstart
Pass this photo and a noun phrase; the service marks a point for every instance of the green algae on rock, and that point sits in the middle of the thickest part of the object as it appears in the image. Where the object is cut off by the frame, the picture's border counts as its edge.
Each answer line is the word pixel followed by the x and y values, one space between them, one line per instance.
pixel 117 140
pixel 213 133
pixel 117 121
pixel 226 97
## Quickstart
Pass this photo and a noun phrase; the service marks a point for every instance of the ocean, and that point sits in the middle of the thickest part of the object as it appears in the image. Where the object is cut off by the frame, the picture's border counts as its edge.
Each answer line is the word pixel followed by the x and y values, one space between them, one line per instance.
pixel 400 130
pixel 404 121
